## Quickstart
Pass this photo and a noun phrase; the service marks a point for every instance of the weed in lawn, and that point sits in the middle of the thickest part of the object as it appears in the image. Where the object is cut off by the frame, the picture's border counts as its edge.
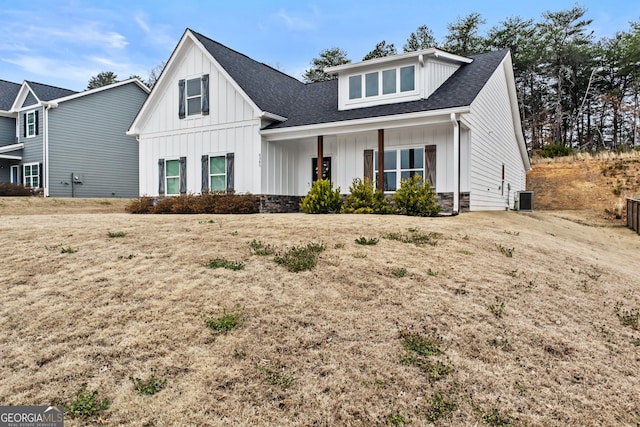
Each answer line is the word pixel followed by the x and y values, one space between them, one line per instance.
pixel 223 263
pixel 512 233
pixel 367 241
pixel 69 250
pixel 465 251
pixel 432 273
pixel 338 246
pixel 397 419
pixel 508 252
pixel 116 234
pixel 259 248
pixel 86 404
pixel 234 233
pixel 360 255
pixel 277 377
pixel 513 273
pixel 439 406
pixel 521 389
pixel 422 344
pixel 501 343
pixel 636 342
pixel 300 258
pixel 130 256
pixel 495 418
pixel 207 222
pixel 239 354
pixel 628 316
pixel 497 309
pixel 149 386
pixel 435 370
pixel 398 272
pixel 415 237
pixel 225 323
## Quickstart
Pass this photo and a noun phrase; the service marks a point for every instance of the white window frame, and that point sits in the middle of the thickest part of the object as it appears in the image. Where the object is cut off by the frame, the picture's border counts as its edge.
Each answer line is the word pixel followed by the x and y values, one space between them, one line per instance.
pixel 211 175
pixel 167 177
pixel 398 169
pixel 187 97
pixel 380 94
pixel 31 127
pixel 28 178
pixel 17 174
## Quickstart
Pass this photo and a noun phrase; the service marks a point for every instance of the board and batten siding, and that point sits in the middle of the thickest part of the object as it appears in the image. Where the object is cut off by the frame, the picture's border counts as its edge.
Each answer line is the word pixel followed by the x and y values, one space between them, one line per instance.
pixel 436 73
pixel 232 126
pixel 87 137
pixel 493 144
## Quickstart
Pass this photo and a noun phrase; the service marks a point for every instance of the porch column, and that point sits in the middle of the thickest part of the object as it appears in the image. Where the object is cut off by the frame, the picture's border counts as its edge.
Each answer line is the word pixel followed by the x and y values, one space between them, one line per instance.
pixel 456 163
pixel 381 159
pixel 320 162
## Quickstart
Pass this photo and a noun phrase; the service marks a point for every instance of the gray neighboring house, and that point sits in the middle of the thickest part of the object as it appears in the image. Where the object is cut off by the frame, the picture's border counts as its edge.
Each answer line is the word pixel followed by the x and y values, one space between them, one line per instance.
pixel 71 144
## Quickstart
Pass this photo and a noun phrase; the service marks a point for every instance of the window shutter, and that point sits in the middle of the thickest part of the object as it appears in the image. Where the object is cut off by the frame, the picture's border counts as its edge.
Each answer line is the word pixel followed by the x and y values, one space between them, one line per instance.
pixel 205 94
pixel 161 177
pixel 181 97
pixel 183 175
pixel 230 161
pixel 430 165
pixel 24 125
pixel 205 172
pixel 36 120
pixel 368 165
pixel 40 183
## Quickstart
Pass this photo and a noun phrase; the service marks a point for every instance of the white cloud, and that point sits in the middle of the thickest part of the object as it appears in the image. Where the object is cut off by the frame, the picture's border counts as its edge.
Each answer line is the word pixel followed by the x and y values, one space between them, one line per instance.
pixel 296 23
pixel 142 22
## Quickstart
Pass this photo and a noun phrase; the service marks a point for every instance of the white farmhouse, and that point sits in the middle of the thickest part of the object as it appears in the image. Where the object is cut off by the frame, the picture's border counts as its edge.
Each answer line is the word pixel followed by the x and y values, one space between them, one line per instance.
pixel 218 120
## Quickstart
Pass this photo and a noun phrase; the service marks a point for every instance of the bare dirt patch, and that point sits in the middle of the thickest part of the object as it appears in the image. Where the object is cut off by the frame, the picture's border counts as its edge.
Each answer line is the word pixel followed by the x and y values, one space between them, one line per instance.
pixel 323 347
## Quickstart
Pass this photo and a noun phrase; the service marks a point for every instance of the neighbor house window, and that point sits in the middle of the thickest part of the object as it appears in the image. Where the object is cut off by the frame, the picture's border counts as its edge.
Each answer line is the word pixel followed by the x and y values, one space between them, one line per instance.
pixel 218 173
pixel 172 177
pixel 193 96
pixel 31 124
pixel 31 175
pixel 400 165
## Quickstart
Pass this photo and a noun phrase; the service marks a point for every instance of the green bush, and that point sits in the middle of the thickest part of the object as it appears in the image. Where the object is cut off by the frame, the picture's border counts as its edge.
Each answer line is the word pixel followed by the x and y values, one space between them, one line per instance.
pixel 322 199
pixel 364 199
pixel 555 150
pixel 415 198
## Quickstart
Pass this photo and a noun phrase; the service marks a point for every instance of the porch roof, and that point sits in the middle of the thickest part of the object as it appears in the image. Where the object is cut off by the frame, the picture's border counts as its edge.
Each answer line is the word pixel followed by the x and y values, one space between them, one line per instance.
pixel 8 93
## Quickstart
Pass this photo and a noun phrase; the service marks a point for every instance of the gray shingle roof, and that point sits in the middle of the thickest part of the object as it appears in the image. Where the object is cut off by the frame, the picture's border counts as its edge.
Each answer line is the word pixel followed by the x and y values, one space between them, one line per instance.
pixel 8 93
pixel 314 103
pixel 48 93
pixel 271 90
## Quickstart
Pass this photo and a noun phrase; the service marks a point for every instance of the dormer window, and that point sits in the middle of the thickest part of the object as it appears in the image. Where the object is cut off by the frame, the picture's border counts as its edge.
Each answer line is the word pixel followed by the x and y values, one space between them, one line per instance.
pixel 383 82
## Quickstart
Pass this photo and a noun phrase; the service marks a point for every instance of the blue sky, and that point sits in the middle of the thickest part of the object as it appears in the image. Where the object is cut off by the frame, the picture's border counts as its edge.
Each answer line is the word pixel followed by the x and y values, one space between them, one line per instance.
pixel 65 42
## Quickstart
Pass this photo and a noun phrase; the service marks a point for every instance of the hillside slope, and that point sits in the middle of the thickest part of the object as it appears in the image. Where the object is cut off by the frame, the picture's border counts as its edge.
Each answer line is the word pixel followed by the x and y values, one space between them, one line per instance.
pixel 599 185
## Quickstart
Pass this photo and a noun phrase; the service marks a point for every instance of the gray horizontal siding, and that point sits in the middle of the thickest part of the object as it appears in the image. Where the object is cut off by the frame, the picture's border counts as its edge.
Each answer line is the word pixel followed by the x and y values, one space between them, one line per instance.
pixel 87 137
pixel 32 152
pixel 7 131
pixel 29 100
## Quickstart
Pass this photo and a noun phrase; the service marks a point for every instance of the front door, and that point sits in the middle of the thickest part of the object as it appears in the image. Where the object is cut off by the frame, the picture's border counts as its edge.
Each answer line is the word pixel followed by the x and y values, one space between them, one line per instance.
pixel 326 168
pixel 15 174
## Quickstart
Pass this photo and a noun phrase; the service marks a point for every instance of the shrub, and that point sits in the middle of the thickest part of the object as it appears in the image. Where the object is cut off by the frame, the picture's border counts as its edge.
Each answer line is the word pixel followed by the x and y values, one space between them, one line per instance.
pixel 364 199
pixel 322 199
pixel 205 203
pixel 415 198
pixel 555 150
pixel 8 189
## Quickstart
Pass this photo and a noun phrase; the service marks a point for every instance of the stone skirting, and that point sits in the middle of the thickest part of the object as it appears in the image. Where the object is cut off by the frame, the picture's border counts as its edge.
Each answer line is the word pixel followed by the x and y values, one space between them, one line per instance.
pixel 445 200
pixel 279 204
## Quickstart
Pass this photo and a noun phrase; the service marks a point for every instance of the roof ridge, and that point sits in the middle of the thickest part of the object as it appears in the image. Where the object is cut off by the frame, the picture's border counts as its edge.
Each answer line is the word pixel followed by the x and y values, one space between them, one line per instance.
pixel 51 86
pixel 244 55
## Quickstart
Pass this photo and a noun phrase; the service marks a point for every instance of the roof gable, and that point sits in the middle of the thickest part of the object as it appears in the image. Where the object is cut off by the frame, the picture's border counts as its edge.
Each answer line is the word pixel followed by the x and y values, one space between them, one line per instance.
pixel 41 92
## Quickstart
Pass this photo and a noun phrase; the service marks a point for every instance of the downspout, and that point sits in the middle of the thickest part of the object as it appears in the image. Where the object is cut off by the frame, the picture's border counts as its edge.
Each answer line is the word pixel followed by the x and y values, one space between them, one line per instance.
pixel 456 164
pixel 45 146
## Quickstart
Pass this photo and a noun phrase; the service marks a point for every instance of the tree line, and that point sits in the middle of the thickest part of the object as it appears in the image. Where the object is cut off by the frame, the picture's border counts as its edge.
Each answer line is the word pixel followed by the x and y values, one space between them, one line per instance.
pixel 574 92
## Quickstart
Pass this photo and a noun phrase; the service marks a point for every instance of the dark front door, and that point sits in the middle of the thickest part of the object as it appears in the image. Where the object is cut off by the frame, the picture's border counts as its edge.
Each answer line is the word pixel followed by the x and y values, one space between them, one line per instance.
pixel 326 168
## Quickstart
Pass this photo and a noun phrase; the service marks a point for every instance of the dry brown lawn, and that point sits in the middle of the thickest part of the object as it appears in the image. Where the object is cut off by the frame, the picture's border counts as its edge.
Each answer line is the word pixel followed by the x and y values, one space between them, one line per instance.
pixel 559 354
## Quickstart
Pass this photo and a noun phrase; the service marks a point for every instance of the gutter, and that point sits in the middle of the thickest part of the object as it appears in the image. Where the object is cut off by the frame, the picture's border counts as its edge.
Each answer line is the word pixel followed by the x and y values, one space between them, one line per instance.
pixel 456 163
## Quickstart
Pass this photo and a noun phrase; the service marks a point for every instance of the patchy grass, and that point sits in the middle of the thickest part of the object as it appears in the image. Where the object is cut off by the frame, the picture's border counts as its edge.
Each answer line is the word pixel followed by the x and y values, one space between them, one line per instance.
pixel 151 385
pixel 367 241
pixel 223 263
pixel 86 404
pixel 225 323
pixel 300 258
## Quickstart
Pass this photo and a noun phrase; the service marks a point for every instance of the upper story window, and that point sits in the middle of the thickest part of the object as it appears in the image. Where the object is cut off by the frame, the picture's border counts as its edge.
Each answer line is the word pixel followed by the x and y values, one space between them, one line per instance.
pixel 386 82
pixel 193 96
pixel 30 125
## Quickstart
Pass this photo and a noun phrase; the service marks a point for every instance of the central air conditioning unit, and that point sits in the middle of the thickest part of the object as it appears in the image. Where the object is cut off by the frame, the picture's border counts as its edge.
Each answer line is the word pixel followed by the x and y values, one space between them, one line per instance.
pixel 524 201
